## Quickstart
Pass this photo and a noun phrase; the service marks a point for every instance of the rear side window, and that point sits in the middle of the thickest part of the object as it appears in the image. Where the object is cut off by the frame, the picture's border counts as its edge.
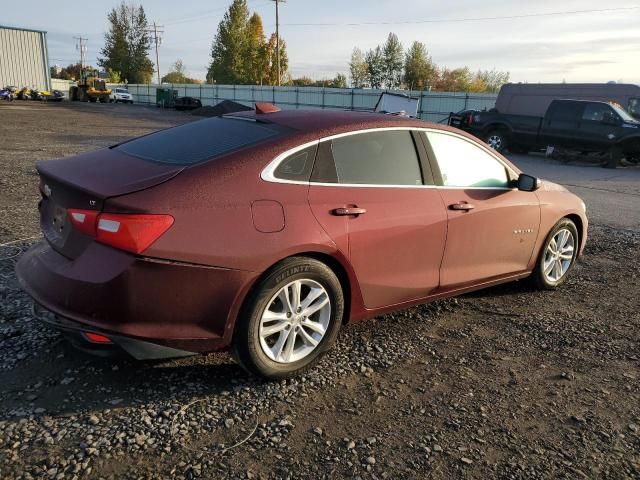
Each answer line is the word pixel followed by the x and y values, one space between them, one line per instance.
pixel 377 158
pixel 297 166
pixel 634 107
pixel 465 164
pixel 198 141
pixel 566 112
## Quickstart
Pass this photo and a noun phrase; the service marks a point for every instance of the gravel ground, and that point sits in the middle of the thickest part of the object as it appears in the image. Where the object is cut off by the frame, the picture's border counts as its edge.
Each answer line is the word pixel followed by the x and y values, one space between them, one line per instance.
pixel 506 383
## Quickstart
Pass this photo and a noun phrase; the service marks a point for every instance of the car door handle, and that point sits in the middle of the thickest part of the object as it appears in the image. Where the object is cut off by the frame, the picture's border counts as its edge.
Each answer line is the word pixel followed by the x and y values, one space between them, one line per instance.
pixel 348 211
pixel 462 206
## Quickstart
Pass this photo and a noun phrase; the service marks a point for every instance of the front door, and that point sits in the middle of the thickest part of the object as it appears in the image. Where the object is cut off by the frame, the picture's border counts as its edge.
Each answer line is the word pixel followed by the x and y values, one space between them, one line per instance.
pixel 600 127
pixel 492 228
pixel 368 193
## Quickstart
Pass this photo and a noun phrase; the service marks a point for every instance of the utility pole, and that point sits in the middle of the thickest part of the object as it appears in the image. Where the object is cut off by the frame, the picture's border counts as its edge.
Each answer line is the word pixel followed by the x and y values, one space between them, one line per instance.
pixel 156 32
pixel 278 41
pixel 82 47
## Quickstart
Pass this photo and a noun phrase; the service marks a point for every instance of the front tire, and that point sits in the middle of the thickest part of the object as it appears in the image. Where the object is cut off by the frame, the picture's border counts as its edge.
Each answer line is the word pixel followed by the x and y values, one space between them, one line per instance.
pixel 557 256
pixel 291 318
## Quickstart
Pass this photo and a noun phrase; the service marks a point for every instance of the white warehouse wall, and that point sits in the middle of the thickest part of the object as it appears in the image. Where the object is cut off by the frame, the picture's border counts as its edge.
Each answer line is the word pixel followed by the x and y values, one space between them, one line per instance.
pixel 24 58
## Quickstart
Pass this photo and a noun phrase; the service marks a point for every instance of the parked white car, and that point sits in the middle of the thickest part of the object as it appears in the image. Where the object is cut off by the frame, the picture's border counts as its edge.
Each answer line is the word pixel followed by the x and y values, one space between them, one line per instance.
pixel 120 95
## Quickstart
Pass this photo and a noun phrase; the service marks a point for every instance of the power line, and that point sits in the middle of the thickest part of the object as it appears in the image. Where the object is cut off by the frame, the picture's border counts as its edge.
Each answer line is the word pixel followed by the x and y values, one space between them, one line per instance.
pixel 278 41
pixel 82 46
pixel 205 14
pixel 156 32
pixel 460 20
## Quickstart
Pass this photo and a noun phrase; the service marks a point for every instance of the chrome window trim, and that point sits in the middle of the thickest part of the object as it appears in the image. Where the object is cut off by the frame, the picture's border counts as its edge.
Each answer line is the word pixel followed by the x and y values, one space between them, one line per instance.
pixel 267 173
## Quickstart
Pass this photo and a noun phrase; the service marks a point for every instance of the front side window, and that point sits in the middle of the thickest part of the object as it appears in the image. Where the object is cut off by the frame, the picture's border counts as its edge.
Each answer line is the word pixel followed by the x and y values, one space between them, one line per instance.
pixel 377 158
pixel 596 112
pixel 464 164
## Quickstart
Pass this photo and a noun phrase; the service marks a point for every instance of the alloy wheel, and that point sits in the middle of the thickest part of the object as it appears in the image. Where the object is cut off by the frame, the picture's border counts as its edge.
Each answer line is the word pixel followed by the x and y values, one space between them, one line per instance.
pixel 495 142
pixel 295 321
pixel 558 255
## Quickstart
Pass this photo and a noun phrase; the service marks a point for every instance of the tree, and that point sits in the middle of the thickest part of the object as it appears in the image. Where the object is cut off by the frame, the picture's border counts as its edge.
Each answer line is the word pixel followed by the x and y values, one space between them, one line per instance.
pixel 358 69
pixel 255 56
pixel 375 67
pixel 393 61
pixel 127 44
pixel 228 61
pixel 178 74
pixel 492 80
pixel 302 82
pixel 72 72
pixel 419 70
pixel 339 81
pixel 271 61
pixel 456 80
pixel 114 76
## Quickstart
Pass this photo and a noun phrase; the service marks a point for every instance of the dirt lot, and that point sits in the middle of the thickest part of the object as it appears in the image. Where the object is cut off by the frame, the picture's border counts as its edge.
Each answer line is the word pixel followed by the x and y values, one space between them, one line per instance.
pixel 503 383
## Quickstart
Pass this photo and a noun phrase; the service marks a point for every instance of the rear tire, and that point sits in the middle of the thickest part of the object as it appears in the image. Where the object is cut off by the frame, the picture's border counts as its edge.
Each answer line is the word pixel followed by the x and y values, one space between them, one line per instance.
pixel 290 319
pixel 557 256
pixel 498 140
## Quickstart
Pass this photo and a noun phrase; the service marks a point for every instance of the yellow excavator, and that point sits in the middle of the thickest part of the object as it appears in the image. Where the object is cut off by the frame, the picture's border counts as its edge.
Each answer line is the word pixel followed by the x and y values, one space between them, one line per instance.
pixel 90 89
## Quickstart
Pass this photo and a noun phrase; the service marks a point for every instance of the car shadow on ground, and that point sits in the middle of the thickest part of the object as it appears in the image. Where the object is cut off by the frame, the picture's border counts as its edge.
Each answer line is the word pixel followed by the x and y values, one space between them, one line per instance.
pixel 65 381
pixel 76 382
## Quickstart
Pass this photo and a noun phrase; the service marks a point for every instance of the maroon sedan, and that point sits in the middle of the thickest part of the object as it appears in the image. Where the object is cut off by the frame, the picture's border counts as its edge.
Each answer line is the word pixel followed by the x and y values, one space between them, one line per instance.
pixel 265 232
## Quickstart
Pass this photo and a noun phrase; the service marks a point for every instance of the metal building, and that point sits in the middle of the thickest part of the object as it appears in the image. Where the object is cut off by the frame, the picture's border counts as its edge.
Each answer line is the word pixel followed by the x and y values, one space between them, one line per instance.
pixel 24 59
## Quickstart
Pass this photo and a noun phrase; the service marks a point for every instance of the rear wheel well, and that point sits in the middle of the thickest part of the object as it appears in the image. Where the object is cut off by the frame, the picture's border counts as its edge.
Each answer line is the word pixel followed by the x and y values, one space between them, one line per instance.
pixel 497 126
pixel 340 272
pixel 328 260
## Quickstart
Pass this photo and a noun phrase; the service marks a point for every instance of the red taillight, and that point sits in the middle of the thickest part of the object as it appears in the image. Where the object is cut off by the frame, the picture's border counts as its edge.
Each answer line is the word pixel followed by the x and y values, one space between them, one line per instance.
pixel 96 337
pixel 131 232
pixel 470 119
pixel 134 233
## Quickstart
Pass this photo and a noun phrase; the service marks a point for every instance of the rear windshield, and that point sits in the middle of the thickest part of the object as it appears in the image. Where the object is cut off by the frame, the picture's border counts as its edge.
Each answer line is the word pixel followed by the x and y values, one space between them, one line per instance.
pixel 198 141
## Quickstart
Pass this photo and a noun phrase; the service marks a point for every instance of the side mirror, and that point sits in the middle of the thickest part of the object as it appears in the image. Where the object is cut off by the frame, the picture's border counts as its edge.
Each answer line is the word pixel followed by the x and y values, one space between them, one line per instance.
pixel 528 183
pixel 610 119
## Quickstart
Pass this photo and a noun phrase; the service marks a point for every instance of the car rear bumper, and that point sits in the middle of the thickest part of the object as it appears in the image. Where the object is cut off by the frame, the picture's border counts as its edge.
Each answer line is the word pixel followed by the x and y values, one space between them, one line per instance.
pixel 78 335
pixel 182 307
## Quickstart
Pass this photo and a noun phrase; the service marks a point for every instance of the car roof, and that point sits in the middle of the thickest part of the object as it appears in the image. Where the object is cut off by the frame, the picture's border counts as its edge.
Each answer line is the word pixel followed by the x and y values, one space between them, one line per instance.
pixel 580 101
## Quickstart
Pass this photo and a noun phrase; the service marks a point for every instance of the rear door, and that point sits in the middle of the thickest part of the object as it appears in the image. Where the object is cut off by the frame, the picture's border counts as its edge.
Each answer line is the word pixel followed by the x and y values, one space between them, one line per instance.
pixel 368 192
pixel 492 227
pixel 560 124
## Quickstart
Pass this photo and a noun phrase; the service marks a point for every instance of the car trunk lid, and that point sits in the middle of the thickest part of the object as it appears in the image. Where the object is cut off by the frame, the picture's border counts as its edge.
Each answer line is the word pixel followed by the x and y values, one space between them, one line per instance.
pixel 84 183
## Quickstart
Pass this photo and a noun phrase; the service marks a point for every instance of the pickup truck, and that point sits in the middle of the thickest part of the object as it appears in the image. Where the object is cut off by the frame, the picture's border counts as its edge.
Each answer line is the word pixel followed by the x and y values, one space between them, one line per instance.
pixel 584 126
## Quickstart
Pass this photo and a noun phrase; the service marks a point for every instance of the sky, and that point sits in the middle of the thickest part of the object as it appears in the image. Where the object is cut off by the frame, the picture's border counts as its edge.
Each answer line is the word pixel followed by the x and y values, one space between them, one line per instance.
pixel 558 46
